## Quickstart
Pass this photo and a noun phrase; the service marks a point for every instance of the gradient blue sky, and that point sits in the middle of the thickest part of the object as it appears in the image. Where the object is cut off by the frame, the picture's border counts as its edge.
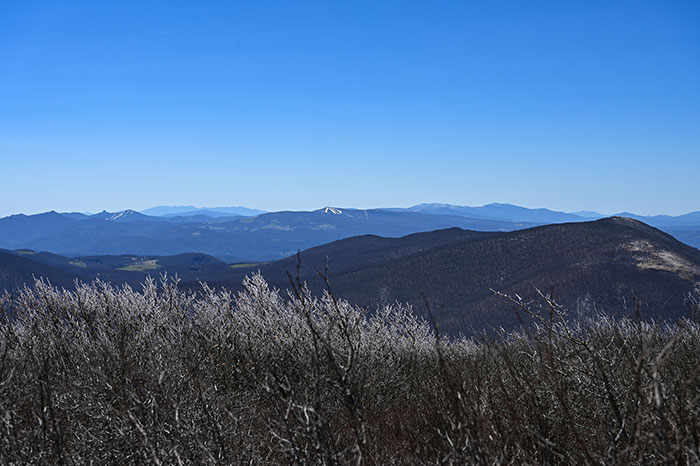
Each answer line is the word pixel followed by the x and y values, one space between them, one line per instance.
pixel 297 105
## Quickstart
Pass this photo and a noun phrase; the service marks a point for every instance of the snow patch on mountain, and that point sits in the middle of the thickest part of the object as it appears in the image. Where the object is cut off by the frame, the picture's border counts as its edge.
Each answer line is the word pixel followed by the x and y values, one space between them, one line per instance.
pixel 332 210
pixel 122 214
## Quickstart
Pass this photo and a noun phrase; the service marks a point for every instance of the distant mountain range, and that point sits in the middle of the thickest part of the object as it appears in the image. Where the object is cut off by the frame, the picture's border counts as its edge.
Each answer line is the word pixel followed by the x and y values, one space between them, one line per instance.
pixel 264 237
pixel 605 264
pixel 514 213
pixel 186 211
pixel 504 212
pixel 239 234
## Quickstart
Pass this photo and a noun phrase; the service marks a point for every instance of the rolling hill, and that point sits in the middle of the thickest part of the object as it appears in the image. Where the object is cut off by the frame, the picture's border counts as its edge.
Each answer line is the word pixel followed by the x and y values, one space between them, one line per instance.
pixel 609 264
pixel 604 264
pixel 18 269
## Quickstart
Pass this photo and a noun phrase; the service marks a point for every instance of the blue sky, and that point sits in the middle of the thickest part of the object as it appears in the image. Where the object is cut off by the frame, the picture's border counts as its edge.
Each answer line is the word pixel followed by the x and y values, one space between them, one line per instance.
pixel 296 105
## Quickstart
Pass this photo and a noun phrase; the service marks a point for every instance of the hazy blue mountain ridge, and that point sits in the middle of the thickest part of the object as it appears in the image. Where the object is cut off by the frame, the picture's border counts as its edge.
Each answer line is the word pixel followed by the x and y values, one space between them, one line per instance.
pixel 274 235
pixel 499 211
pixel 161 211
pixel 263 237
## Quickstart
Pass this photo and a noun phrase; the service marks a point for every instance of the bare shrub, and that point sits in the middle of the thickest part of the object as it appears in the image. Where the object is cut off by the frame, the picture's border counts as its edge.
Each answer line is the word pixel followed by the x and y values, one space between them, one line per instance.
pixel 105 375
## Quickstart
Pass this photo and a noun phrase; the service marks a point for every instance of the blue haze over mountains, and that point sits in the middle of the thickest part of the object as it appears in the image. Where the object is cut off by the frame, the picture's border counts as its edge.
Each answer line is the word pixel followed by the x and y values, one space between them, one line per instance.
pixel 240 234
pixel 171 211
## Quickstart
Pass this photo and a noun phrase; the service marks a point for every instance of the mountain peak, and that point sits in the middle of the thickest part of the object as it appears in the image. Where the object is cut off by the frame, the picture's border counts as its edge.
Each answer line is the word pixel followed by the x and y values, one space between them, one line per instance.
pixel 501 204
pixel 626 221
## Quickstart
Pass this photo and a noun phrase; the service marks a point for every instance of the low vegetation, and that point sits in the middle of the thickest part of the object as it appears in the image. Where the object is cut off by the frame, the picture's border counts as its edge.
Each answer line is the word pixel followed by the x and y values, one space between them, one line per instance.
pixel 141 266
pixel 246 265
pixel 105 375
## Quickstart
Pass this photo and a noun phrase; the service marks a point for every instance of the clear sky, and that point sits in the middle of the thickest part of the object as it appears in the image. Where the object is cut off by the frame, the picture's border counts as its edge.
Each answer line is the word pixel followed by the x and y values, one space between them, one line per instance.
pixel 300 104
